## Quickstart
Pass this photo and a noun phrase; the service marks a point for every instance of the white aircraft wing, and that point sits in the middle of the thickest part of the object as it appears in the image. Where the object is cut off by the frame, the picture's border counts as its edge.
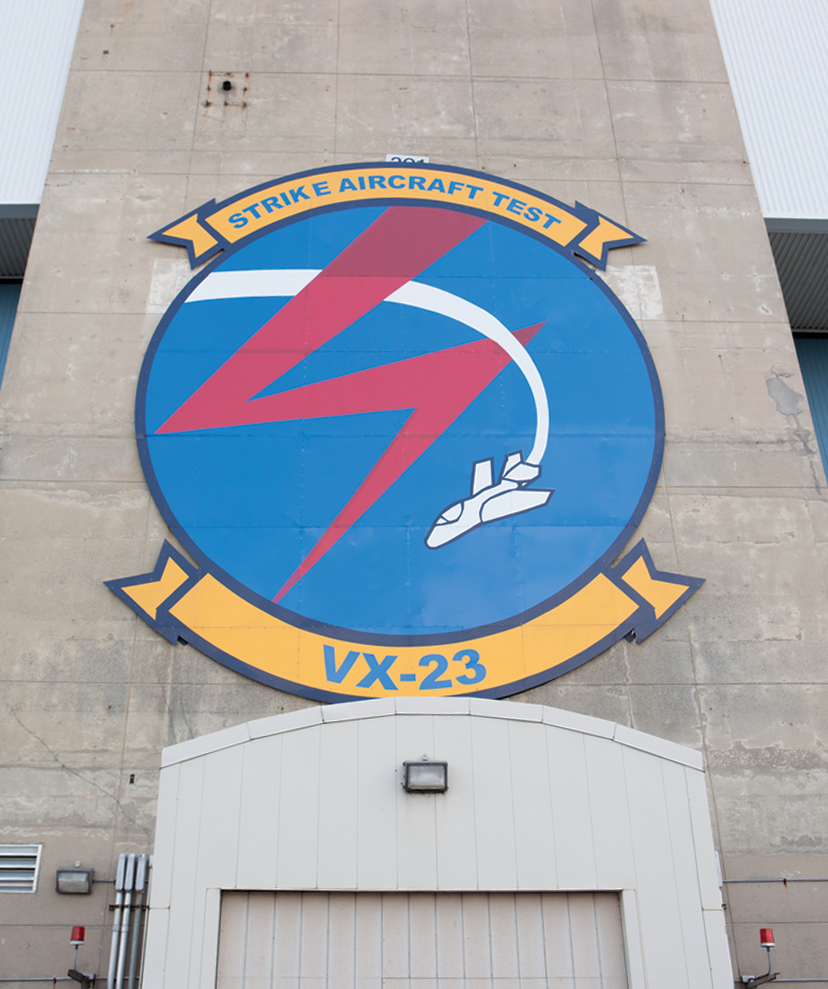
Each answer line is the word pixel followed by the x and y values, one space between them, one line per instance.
pixel 482 475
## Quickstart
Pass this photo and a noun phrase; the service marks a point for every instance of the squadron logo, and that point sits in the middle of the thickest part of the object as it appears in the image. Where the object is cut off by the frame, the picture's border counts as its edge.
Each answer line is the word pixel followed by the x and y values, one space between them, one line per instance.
pixel 404 430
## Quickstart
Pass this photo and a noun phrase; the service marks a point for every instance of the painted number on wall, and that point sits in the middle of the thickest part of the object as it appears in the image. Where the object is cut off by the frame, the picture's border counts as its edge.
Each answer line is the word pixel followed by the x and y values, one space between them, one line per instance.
pixel 434 665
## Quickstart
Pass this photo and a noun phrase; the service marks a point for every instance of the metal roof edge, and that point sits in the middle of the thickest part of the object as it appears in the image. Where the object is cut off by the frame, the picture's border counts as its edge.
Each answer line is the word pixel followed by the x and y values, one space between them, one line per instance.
pixel 795 225
pixel 508 711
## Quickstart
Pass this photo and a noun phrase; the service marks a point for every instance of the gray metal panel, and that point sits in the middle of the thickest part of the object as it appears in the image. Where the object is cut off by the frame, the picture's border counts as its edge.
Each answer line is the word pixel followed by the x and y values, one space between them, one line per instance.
pixel 36 43
pixel 775 56
pixel 9 295
pixel 802 262
pixel 320 940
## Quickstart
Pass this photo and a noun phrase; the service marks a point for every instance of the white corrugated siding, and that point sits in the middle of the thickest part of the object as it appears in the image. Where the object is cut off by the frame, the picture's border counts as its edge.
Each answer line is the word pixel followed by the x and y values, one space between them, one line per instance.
pixel 775 51
pixel 36 42
pixel 422 940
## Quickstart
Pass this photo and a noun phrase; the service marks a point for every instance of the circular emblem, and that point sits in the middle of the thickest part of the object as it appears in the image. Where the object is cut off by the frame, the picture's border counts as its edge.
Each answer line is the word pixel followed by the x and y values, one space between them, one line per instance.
pixel 406 424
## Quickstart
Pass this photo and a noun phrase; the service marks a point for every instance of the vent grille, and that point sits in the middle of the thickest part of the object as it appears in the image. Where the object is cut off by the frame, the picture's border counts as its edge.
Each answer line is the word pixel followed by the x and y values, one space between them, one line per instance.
pixel 19 865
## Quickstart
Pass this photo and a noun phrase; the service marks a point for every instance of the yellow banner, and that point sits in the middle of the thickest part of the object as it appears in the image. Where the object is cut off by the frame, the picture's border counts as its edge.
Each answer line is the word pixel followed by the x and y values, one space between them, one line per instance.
pixel 213 227
pixel 182 602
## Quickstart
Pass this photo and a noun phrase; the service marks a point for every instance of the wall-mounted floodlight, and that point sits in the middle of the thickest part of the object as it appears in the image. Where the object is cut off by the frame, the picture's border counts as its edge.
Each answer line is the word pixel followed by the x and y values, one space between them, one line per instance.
pixel 425 777
pixel 74 880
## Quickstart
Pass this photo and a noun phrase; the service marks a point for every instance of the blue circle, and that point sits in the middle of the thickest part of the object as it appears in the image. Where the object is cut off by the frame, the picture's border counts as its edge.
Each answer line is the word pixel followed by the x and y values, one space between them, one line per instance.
pixel 249 502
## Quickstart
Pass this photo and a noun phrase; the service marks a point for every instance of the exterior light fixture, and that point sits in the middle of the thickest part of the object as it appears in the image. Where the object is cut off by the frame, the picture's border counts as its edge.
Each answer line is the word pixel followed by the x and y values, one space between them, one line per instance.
pixel 425 777
pixel 76 940
pixel 74 880
pixel 767 942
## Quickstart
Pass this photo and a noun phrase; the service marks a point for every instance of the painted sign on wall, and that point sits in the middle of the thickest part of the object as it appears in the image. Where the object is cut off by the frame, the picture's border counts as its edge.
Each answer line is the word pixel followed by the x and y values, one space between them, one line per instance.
pixel 404 430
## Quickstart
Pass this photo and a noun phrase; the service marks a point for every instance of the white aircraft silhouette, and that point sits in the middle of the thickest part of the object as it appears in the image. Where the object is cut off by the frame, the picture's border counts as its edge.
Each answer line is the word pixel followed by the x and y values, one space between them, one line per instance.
pixel 490 501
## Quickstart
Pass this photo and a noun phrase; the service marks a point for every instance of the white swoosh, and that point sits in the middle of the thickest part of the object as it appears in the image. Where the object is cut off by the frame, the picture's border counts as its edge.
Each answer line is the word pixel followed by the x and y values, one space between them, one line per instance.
pixel 290 281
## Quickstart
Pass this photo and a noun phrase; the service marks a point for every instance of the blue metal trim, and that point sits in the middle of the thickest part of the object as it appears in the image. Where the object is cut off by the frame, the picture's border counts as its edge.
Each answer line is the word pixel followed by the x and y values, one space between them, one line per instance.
pixel 9 298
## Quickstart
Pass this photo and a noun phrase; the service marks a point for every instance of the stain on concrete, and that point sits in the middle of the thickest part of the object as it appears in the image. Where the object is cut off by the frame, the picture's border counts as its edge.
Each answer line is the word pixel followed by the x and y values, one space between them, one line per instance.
pixel 788 403
pixel 636 285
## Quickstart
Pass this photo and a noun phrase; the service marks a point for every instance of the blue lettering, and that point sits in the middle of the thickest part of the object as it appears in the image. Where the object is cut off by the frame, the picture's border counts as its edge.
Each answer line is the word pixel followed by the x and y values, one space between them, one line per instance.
pixel 436 186
pixel 285 199
pixel 456 187
pixel 362 181
pixel 378 671
pixel 499 197
pixel 533 214
pixel 271 203
pixel 376 181
pixel 333 674
pixel 252 209
pixel 299 193
pixel 321 189
pixel 550 220
pixel 392 184
pixel 432 681
pixel 346 185
pixel 416 182
pixel 516 206
pixel 476 670
pixel 238 220
pixel 473 190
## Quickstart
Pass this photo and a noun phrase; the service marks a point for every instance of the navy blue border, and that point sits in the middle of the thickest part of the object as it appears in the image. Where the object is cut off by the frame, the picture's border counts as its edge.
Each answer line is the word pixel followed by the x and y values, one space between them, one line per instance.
pixel 173 630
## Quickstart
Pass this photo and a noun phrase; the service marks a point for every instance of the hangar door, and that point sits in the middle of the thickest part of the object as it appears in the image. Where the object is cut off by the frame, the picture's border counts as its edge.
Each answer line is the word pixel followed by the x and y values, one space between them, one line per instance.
pixel 316 940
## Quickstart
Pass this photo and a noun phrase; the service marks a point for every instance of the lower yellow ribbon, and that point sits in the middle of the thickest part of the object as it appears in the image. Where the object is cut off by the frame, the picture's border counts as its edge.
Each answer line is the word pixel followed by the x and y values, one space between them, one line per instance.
pixel 182 602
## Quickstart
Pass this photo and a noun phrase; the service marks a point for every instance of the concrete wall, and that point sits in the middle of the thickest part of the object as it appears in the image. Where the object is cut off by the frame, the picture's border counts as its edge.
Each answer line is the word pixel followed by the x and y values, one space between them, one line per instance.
pixel 622 105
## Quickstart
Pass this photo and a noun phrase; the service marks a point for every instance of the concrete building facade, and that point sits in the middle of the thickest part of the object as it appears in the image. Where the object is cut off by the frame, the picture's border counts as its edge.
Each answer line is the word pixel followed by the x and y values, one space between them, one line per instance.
pixel 624 107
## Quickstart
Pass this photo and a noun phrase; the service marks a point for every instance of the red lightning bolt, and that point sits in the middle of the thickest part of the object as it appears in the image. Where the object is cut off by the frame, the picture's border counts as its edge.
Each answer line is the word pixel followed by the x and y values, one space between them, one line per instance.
pixel 437 387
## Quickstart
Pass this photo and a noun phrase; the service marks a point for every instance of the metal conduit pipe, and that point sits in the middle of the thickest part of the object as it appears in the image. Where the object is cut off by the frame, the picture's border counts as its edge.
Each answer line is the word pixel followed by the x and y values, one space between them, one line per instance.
pixel 116 922
pixel 126 913
pixel 783 880
pixel 145 920
pixel 135 946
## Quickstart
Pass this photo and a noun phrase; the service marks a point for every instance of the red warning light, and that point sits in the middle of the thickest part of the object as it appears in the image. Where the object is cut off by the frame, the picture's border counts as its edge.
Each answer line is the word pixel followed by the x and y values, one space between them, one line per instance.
pixel 78 935
pixel 766 937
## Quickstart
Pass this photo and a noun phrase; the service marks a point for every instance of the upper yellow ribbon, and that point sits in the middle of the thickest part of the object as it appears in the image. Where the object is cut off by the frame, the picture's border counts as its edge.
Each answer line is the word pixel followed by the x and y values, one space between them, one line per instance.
pixel 213 226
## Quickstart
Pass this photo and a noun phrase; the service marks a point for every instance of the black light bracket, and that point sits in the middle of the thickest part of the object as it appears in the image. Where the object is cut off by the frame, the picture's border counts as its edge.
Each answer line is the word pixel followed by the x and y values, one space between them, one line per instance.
pixel 759 980
pixel 86 979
